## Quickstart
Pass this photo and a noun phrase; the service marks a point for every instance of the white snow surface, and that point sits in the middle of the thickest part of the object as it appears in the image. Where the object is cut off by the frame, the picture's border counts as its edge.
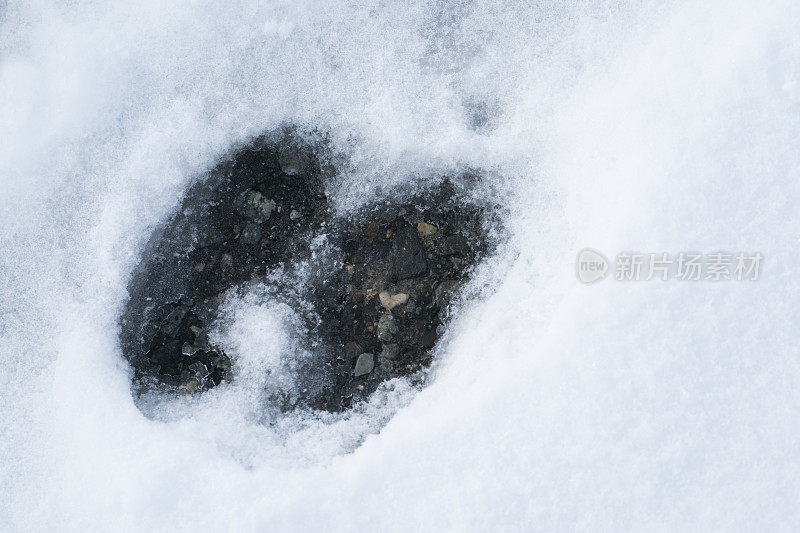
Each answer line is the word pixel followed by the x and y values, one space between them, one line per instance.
pixel 649 126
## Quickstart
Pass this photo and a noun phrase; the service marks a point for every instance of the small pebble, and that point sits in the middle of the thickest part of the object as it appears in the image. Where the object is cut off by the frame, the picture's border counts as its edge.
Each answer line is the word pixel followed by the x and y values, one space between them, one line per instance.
pixel 390 351
pixel 259 208
pixel 351 350
pixel 426 229
pixel 187 349
pixel 364 364
pixel 387 327
pixel 390 301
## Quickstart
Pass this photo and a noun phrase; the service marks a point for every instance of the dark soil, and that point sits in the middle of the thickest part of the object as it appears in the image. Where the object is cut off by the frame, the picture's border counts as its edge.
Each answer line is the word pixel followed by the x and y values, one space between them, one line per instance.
pixel 376 294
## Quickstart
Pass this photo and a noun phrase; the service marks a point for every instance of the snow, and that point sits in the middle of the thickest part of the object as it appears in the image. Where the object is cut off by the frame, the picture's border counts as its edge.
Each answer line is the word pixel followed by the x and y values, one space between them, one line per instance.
pixel 553 405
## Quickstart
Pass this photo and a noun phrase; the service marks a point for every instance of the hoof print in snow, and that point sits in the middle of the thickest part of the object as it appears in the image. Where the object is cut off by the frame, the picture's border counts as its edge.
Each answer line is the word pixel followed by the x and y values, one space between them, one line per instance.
pixel 376 281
